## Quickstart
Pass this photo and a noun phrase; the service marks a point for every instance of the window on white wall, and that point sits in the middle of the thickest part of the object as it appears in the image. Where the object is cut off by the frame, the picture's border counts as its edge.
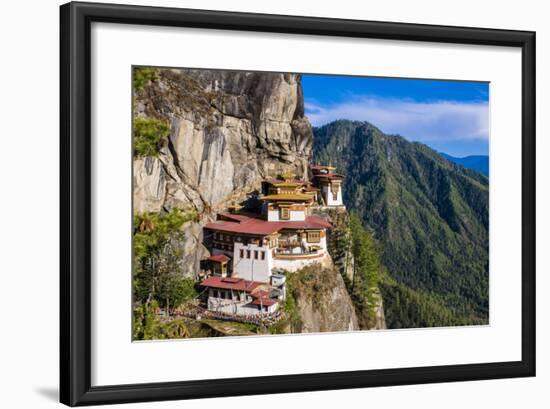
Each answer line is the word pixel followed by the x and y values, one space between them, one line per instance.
pixel 285 213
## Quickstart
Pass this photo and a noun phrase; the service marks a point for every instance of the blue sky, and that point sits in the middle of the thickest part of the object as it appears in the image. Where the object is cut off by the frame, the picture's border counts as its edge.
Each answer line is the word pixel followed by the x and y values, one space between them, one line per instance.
pixel 449 116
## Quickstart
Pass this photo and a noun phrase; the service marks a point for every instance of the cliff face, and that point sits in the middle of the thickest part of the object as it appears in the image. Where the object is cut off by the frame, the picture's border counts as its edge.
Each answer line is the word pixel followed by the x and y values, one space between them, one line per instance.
pixel 322 302
pixel 228 131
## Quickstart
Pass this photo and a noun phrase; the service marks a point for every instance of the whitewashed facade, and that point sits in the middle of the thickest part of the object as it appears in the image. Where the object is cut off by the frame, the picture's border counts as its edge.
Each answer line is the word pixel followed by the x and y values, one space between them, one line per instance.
pixel 238 305
pixel 252 262
pixel 332 194
pixel 276 216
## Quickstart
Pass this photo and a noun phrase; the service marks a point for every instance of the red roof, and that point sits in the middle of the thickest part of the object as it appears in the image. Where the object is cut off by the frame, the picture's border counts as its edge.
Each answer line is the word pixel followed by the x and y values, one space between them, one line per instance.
pixel 311 222
pixel 264 301
pixel 261 294
pixel 259 227
pixel 222 258
pixel 231 283
pixel 262 297
pixel 251 226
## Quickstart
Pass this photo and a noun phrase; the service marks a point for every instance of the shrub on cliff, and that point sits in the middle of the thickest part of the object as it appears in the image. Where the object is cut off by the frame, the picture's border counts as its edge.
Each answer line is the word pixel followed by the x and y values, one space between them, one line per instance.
pixel 155 259
pixel 142 76
pixel 148 134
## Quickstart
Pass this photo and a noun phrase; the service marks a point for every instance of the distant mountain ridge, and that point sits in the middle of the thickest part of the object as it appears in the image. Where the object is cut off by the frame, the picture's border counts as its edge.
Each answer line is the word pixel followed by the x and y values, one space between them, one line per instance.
pixel 479 163
pixel 429 216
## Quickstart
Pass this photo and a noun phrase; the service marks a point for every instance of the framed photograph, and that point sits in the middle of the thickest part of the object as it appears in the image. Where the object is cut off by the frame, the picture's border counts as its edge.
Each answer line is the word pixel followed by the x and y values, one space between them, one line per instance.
pixel 257 204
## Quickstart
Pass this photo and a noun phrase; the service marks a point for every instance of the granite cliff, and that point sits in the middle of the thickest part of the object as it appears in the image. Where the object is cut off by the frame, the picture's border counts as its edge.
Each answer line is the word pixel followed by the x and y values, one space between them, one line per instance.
pixel 228 131
pixel 322 301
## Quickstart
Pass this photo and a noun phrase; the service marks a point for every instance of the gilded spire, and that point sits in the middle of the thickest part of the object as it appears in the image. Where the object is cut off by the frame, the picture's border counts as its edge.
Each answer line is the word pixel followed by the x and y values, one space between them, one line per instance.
pixel 288 176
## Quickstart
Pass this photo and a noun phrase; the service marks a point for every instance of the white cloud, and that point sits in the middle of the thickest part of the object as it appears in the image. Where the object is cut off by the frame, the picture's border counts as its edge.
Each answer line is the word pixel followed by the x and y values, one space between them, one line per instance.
pixel 419 121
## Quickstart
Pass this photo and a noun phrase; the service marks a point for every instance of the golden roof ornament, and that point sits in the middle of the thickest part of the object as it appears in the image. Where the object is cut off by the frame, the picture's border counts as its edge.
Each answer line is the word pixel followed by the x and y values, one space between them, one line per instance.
pixel 288 176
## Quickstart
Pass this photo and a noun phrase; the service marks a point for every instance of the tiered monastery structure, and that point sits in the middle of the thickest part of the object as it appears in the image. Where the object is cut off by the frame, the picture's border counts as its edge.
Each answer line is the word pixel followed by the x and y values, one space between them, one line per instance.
pixel 329 185
pixel 250 251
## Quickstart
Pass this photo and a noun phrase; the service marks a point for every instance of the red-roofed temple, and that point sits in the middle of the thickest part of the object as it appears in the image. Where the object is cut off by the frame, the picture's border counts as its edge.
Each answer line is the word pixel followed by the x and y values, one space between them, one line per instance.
pixel 256 248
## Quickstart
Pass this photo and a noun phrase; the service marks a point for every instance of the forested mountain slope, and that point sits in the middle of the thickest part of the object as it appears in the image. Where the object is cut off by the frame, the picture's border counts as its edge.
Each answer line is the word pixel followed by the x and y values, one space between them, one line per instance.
pixel 429 216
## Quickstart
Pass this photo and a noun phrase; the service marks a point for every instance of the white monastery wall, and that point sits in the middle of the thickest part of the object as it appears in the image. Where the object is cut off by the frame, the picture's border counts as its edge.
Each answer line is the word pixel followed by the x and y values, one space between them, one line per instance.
pixel 297 215
pixel 273 216
pixel 251 268
pixel 327 195
pixel 294 216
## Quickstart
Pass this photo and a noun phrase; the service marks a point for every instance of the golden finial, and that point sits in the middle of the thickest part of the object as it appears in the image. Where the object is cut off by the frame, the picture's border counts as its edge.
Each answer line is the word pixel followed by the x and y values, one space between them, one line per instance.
pixel 288 176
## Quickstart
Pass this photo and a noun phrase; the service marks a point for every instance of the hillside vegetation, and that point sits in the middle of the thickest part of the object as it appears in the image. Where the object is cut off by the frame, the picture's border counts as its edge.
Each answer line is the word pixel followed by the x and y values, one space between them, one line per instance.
pixel 355 254
pixel 429 215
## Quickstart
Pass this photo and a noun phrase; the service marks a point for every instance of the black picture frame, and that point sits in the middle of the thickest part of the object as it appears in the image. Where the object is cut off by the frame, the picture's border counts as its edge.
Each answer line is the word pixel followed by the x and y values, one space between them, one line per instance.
pixel 76 199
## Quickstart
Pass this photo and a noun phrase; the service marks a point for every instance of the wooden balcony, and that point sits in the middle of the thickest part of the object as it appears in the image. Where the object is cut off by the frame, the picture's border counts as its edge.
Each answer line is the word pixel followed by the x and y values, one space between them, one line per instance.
pixel 284 254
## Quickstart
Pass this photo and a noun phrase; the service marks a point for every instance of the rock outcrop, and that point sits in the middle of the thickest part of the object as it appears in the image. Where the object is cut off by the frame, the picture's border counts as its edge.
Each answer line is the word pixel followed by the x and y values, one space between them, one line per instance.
pixel 189 250
pixel 322 301
pixel 149 185
pixel 228 131
pixel 380 316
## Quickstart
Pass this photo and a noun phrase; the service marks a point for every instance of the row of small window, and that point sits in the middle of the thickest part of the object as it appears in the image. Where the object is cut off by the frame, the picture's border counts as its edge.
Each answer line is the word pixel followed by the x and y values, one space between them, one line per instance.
pixel 225 237
pixel 227 247
pixel 229 238
pixel 314 237
pixel 258 254
pixel 226 295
